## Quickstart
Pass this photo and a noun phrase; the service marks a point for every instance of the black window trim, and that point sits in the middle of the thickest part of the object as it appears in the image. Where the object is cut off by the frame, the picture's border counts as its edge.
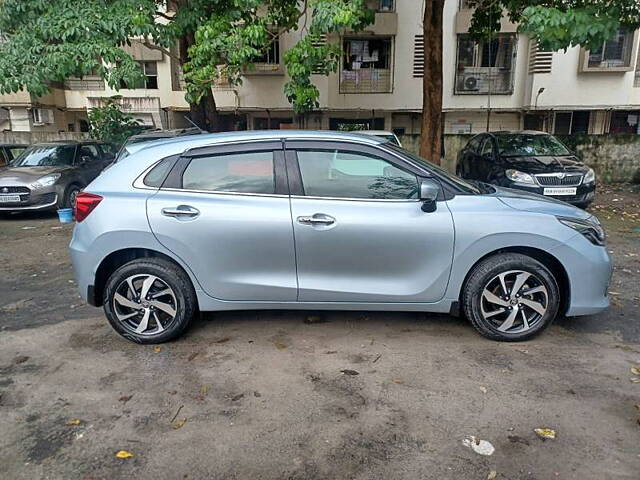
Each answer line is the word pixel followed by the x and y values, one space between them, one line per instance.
pixel 296 186
pixel 173 181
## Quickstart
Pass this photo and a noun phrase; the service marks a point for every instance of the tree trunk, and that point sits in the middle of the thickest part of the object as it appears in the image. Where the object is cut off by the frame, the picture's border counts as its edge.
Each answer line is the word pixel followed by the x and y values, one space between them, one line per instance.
pixel 204 113
pixel 431 132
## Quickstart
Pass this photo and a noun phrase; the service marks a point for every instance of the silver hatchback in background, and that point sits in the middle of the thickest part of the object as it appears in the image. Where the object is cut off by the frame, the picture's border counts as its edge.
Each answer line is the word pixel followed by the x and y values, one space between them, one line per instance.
pixel 325 220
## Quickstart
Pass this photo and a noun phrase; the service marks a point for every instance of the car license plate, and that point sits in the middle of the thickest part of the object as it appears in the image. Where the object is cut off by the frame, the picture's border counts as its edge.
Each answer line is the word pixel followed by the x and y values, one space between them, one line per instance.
pixel 560 191
pixel 9 198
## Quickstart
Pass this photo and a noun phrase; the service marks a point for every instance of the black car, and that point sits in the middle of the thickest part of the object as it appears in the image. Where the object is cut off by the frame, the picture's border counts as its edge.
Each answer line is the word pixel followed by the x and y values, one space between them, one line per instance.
pixel 47 176
pixel 10 151
pixel 533 161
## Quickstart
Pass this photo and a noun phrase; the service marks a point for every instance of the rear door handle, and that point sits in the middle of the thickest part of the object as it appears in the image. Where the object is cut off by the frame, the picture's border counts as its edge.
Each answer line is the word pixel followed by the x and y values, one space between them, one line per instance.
pixel 181 211
pixel 317 219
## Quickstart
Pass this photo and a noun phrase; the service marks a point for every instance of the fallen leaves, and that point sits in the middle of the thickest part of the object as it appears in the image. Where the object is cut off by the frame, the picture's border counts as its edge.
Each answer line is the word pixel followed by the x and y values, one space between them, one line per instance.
pixel 349 372
pixel 124 454
pixel 492 475
pixel 74 422
pixel 280 345
pixel 545 433
pixel 125 398
pixel 635 371
pixel 178 423
pixel 157 349
pixel 518 439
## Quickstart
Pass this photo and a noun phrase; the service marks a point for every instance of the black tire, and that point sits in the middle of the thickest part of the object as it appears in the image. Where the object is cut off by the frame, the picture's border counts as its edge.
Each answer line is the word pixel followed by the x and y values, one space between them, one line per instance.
pixel 70 195
pixel 485 273
pixel 183 300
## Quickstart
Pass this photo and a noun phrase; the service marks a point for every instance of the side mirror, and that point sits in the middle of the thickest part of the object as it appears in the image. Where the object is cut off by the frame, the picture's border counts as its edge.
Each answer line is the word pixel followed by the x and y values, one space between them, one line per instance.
pixel 429 190
pixel 84 160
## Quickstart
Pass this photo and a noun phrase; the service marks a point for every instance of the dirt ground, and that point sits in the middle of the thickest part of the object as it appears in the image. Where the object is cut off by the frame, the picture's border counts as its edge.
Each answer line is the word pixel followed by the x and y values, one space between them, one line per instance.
pixel 267 395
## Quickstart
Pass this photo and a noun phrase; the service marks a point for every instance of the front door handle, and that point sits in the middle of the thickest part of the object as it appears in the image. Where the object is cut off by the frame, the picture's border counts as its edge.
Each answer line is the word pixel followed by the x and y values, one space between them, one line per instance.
pixel 317 219
pixel 181 211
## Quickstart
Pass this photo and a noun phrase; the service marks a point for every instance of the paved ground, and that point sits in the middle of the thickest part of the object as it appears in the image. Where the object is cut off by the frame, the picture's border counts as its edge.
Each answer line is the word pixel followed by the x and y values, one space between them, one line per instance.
pixel 261 395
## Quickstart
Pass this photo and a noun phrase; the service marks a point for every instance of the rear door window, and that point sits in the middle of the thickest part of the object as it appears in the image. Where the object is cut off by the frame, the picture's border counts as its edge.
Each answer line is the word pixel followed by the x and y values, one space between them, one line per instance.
pixel 243 172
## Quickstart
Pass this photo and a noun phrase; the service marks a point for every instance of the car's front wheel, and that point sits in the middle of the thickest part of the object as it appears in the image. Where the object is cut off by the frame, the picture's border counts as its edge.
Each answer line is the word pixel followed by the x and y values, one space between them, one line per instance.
pixel 510 297
pixel 149 300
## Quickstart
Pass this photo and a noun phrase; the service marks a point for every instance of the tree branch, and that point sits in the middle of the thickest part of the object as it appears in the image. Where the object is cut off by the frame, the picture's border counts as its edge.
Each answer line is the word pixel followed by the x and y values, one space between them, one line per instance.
pixel 151 46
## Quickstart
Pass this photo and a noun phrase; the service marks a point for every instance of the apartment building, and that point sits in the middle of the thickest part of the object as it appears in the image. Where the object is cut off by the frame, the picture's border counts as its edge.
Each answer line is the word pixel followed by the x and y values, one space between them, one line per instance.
pixel 505 82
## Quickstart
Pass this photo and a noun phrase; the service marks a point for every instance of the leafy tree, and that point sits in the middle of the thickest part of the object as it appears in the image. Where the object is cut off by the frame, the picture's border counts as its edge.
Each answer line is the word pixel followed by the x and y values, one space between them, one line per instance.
pixel 51 40
pixel 109 123
pixel 555 24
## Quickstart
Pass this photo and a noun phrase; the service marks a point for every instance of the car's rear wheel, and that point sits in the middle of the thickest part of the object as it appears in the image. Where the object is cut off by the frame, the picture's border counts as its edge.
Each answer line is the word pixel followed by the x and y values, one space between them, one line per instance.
pixel 149 300
pixel 511 297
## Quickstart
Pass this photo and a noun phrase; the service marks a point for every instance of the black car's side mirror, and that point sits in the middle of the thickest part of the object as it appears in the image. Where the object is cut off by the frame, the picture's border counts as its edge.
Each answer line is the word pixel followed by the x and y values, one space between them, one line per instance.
pixel 429 191
pixel 85 160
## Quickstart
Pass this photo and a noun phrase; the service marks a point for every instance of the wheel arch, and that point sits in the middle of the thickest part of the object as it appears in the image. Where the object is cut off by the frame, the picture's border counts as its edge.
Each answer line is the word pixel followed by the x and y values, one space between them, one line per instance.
pixel 544 257
pixel 116 259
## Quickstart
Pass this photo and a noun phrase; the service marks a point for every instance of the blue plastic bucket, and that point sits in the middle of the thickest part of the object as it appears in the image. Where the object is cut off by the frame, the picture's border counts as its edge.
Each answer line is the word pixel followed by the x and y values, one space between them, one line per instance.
pixel 65 215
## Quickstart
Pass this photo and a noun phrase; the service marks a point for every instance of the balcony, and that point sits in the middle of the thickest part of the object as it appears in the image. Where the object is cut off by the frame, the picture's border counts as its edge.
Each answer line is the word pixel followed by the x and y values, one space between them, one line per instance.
pixel 367 80
pixel 481 80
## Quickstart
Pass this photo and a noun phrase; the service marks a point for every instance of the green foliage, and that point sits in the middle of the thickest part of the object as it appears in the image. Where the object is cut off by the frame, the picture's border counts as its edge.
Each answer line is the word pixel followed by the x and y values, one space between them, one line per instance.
pixel 110 124
pixel 559 24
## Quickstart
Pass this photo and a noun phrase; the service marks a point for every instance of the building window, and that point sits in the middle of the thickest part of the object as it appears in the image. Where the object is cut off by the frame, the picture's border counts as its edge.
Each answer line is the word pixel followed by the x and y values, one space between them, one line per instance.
pixel 272 123
pixel 637 79
pixel 382 6
pixel 625 122
pixel 485 66
pixel 150 72
pixel 614 53
pixel 571 123
pixel 366 65
pixel 271 56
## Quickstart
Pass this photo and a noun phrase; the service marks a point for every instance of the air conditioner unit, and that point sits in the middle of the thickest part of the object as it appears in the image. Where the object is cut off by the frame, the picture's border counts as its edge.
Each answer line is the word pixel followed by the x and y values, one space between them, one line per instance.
pixel 42 116
pixel 472 82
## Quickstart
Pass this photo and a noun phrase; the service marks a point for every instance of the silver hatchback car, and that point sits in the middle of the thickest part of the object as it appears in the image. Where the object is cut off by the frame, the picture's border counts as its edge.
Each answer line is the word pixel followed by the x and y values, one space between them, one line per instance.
pixel 325 220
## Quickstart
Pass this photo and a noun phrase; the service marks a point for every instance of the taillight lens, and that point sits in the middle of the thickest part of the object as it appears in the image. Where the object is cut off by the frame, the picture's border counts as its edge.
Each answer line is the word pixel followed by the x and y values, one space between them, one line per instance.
pixel 85 204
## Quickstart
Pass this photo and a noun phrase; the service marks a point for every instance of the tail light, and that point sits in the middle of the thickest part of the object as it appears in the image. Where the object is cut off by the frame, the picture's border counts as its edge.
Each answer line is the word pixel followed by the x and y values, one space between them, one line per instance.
pixel 85 204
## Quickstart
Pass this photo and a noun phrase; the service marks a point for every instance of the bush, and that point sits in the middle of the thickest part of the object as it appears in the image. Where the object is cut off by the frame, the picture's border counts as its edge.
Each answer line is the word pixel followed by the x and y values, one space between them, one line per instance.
pixel 109 123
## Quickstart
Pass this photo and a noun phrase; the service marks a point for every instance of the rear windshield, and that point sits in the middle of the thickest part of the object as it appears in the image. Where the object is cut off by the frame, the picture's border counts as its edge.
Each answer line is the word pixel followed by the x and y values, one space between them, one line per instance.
pixel 523 145
pixel 46 155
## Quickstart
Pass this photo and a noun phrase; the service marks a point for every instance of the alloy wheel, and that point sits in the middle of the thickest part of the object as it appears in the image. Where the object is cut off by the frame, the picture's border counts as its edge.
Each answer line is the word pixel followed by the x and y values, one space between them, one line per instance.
pixel 145 304
pixel 514 301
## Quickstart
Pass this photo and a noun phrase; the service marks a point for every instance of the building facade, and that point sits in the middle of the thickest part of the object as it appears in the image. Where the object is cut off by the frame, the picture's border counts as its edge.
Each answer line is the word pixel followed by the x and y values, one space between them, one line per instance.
pixel 505 82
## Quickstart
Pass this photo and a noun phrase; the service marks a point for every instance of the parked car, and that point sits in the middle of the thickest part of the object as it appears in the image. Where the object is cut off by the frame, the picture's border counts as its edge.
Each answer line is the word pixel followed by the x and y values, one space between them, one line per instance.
pixel 389 136
pixel 154 135
pixel 532 161
pixel 9 151
pixel 325 220
pixel 50 175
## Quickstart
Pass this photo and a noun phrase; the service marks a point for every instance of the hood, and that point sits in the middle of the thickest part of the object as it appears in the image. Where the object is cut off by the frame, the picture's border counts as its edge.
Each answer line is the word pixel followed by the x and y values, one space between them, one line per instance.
pixel 23 176
pixel 546 164
pixel 532 202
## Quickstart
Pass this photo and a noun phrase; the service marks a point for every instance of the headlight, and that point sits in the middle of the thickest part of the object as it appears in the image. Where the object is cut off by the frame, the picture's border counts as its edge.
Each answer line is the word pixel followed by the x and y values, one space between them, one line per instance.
pixel 589 177
pixel 590 228
pixel 519 177
pixel 46 181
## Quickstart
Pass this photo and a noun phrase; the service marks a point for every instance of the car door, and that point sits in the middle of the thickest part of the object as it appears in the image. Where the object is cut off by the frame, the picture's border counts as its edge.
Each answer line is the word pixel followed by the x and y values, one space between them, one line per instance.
pixel 89 161
pixel 486 159
pixel 360 233
pixel 224 211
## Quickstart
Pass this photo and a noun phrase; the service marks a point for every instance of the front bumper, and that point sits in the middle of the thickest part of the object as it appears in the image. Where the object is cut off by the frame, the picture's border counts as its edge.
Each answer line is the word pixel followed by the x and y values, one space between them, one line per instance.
pixel 585 193
pixel 32 202
pixel 589 269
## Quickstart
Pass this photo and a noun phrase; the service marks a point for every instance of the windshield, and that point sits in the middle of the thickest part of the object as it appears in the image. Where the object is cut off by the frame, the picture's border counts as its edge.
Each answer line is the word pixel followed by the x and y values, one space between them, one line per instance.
pixel 523 145
pixel 464 185
pixel 46 155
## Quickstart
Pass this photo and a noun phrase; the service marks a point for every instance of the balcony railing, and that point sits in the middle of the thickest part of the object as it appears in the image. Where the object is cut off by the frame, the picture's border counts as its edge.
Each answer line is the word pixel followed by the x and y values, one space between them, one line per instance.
pixel 366 80
pixel 84 84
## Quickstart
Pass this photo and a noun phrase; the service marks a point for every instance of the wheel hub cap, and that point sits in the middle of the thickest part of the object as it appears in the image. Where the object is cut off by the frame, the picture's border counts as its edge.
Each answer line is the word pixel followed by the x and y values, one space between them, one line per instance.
pixel 145 304
pixel 514 301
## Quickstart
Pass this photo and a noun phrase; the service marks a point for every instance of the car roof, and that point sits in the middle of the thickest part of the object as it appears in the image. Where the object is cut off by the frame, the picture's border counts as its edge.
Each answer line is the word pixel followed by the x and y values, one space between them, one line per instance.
pixel 195 141
pixel 70 142
pixel 519 132
pixel 14 145
pixel 374 132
